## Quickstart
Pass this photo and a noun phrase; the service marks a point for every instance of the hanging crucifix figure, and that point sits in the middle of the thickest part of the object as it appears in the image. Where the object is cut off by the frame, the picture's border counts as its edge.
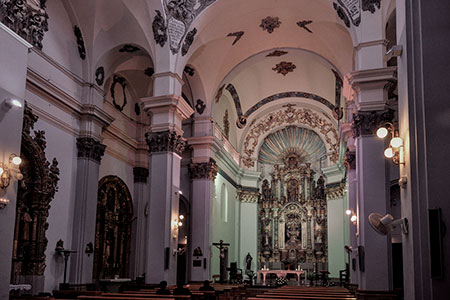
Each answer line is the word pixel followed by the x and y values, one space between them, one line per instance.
pixel 223 248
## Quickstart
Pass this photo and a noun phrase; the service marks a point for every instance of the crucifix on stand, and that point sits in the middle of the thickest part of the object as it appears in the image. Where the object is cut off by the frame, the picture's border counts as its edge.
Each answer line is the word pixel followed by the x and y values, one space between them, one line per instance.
pixel 223 248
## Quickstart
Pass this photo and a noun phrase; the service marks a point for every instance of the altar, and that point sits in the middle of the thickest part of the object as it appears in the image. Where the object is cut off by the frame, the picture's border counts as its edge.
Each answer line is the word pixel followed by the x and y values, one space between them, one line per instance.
pixel 278 273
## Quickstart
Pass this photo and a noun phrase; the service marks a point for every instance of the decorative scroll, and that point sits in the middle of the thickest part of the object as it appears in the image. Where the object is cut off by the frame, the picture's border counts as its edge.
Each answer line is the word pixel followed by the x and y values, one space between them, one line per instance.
pixel 180 15
pixel 100 75
pixel 165 141
pixel 237 36
pixel 200 106
pixel 159 27
pixel 248 195
pixel 206 170
pixel 188 41
pixel 284 68
pixel 226 125
pixel 292 222
pixel 352 9
pixel 90 149
pixel 36 191
pixel 277 53
pixel 129 48
pixel 304 24
pixel 113 229
pixel 27 18
pixel 292 116
pixel 341 14
pixel 270 23
pixel 371 5
pixel 123 84
pixel 80 42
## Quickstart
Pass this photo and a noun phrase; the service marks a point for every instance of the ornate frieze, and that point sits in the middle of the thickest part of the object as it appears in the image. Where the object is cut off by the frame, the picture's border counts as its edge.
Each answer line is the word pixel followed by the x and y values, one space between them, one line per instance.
pixel 165 141
pixel 367 122
pixel 270 23
pixel 292 116
pixel 277 53
pixel 352 10
pixel 27 18
pixel 205 170
pixel 237 35
pixel 188 41
pixel 350 160
pixel 100 76
pixel 248 196
pixel 335 191
pixel 159 27
pixel 140 174
pixel 370 5
pixel 284 68
pixel 80 42
pixel 90 149
pixel 303 24
pixel 200 106
pixel 226 125
pixel 341 14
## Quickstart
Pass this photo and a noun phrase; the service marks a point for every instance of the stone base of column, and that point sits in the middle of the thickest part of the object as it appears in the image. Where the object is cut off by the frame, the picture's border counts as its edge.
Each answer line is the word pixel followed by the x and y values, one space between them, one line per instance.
pixel 376 295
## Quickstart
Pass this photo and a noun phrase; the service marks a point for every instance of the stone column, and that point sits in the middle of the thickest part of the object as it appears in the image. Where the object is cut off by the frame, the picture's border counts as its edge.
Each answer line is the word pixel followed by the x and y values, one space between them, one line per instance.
pixel 140 224
pixel 350 164
pixel 202 175
pixel 248 231
pixel 90 153
pixel 372 175
pixel 166 146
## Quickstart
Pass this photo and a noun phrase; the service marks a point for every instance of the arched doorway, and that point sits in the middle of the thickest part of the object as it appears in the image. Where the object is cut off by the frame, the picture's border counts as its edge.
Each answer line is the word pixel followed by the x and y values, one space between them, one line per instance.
pixel 113 229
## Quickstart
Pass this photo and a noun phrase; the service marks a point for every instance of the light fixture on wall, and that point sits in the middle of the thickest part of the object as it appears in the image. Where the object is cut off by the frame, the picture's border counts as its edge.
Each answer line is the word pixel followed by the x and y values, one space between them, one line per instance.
pixel 7 170
pixel 178 222
pixel 395 150
pixel 352 215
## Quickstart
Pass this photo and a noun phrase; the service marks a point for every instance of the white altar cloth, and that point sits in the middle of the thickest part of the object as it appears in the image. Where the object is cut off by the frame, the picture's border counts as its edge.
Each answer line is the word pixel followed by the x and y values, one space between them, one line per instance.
pixel 279 273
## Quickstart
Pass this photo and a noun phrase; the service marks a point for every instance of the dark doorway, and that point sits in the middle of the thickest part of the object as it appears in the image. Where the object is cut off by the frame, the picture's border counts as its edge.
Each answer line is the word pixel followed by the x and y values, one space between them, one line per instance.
pixel 183 240
pixel 113 229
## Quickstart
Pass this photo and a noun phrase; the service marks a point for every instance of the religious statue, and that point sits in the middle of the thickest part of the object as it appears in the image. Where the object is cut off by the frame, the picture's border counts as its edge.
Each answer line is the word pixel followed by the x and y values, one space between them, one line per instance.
pixel 320 188
pixel 266 190
pixel 292 190
pixel 26 219
pixel 248 261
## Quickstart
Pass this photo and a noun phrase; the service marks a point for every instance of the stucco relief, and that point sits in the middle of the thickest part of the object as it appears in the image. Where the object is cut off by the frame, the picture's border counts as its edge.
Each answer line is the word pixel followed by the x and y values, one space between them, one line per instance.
pixel 291 116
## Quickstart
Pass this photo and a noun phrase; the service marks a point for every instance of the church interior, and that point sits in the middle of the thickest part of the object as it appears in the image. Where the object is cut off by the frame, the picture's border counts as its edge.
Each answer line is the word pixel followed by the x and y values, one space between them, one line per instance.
pixel 278 149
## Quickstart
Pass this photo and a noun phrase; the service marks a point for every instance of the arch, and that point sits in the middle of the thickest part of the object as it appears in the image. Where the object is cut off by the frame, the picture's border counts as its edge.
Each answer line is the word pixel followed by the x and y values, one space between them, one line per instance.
pixel 113 229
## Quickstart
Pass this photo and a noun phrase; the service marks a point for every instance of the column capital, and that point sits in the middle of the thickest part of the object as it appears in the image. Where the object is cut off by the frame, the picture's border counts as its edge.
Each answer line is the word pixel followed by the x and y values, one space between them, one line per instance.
pixel 203 170
pixel 367 122
pixel 165 141
pixel 90 149
pixel 350 160
pixel 140 174
pixel 248 195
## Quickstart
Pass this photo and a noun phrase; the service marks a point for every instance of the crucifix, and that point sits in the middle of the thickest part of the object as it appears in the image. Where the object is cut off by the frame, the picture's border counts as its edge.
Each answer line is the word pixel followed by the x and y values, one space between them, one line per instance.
pixel 223 248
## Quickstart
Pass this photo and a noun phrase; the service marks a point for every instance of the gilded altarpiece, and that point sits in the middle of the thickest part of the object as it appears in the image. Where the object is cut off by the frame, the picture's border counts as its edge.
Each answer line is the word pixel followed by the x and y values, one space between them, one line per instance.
pixel 292 210
pixel 113 229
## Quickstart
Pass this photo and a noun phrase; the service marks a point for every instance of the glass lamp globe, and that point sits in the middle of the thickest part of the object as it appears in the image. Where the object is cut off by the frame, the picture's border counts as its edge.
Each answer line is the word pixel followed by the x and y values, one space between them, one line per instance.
pixel 389 153
pixel 348 212
pixel 382 132
pixel 396 142
pixel 353 218
pixel 16 160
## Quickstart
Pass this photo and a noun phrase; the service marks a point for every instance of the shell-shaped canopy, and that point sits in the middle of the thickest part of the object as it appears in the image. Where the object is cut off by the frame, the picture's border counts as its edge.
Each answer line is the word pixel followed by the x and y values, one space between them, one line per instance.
pixel 301 141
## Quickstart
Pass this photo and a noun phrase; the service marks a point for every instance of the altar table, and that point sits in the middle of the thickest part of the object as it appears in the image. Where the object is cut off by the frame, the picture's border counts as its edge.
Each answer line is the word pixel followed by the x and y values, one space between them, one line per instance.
pixel 279 273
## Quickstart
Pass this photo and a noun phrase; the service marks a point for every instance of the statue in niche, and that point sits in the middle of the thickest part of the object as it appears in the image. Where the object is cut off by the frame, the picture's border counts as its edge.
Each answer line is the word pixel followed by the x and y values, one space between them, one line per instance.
pixel 266 190
pixel 320 189
pixel 292 190
pixel 248 261
pixel 319 235
pixel 27 220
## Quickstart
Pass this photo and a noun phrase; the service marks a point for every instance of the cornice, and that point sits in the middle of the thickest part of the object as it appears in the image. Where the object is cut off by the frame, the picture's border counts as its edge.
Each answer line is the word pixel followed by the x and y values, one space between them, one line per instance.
pixel 98 114
pixel 168 102
pixel 16 36
pixel 170 74
pixel 371 43
pixel 357 78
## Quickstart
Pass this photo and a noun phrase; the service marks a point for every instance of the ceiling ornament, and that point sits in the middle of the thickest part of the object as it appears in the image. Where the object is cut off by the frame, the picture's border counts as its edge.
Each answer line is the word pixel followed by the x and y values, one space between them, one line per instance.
pixel 321 124
pixel 219 93
pixel 370 5
pixel 100 75
pixel 241 120
pixel 277 53
pixel 304 24
pixel 188 41
pixel 189 70
pixel 226 125
pixel 270 23
pixel 129 48
pixel 352 10
pixel 27 18
pixel 237 35
pixel 338 111
pixel 341 14
pixel 284 68
pixel 80 42
pixel 200 106
pixel 159 27
pixel 180 15
pixel 149 71
pixel 305 143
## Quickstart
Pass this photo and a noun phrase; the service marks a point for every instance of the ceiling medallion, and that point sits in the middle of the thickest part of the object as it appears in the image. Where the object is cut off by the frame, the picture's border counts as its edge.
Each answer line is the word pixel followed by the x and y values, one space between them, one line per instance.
pixel 270 23
pixel 303 24
pixel 277 53
pixel 237 35
pixel 284 67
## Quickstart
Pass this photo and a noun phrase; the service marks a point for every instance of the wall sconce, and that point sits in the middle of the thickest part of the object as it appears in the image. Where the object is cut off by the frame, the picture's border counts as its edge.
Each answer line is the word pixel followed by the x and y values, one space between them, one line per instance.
pixel 178 222
pixel 9 169
pixel 395 150
pixel 353 217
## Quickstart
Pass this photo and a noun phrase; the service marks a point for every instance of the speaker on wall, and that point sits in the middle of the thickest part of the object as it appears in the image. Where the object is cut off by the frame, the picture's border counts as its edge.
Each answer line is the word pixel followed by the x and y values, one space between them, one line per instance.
pixel 436 233
pixel 361 258
pixel 166 258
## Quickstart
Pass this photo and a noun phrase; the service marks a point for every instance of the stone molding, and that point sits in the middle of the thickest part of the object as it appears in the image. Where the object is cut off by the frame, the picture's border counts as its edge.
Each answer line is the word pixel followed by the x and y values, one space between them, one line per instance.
pixel 168 103
pixel 204 170
pixel 90 149
pixel 367 122
pixel 350 160
pixel 140 174
pixel 165 141
pixel 248 196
